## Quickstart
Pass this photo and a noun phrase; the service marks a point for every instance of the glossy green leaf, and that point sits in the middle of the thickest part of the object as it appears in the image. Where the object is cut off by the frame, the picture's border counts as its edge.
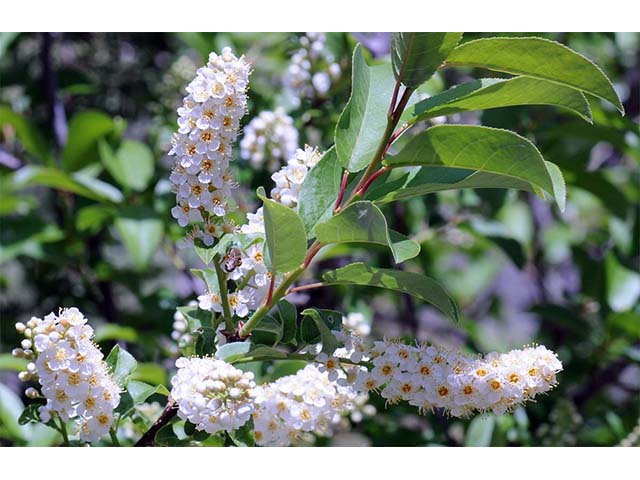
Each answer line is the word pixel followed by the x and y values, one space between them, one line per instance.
pixel 121 364
pixel 416 56
pixel 131 165
pixel 230 352
pixel 11 408
pixel 85 129
pixel 320 190
pixel 28 134
pixel 480 431
pixel 268 332
pixel 415 284
pixel 205 253
pixel 490 150
pixel 623 285
pixel 78 183
pixel 140 391
pixel 288 314
pixel 490 93
pixel 141 231
pixel 538 58
pixel 317 325
pixel 286 239
pixel 364 118
pixel 13 364
pixel 363 222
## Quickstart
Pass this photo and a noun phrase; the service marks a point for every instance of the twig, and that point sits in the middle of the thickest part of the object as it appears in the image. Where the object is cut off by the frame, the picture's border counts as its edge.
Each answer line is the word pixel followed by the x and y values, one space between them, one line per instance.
pixel 149 437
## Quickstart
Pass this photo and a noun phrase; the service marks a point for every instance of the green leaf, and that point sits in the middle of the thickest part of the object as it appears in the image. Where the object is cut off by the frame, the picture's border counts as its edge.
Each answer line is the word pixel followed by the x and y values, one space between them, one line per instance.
pixel 205 253
pixel 11 408
pixel 121 363
pixel 140 391
pixel 416 56
pixel 166 437
pixel 150 373
pixel 10 363
pixel 285 236
pixel 28 134
pixel 268 332
pixel 132 165
pixel 422 181
pixel 233 351
pixel 480 431
pixel 288 314
pixel 196 318
pixel 538 58
pixel 93 217
pixel 623 285
pixel 6 39
pixel 206 342
pixel 488 93
pixel 85 129
pixel 78 183
pixel 364 118
pixel 112 331
pixel 415 284
pixel 30 414
pixel 282 368
pixel 141 231
pixel 484 149
pixel 320 191
pixel 363 222
pixel 323 322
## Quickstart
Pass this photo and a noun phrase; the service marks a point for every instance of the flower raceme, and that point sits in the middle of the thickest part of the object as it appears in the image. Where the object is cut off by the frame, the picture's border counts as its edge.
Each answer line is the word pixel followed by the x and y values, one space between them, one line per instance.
pixel 72 374
pixel 431 377
pixel 269 137
pixel 212 394
pixel 208 124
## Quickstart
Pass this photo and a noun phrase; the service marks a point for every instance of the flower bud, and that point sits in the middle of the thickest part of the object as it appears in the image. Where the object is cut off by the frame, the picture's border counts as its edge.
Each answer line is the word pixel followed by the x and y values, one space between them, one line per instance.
pixel 24 376
pixel 17 352
pixel 31 393
pixel 20 327
pixel 26 343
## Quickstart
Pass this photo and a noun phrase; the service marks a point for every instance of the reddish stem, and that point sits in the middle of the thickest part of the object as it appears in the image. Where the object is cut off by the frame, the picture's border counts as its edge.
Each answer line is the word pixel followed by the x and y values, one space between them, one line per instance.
pixel 313 250
pixel 308 286
pixel 370 180
pixel 343 187
pixel 271 286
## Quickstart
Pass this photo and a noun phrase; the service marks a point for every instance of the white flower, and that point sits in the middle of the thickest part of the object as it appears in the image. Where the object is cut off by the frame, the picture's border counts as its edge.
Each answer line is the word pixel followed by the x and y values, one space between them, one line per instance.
pixel 212 394
pixel 270 137
pixel 208 124
pixel 305 402
pixel 74 379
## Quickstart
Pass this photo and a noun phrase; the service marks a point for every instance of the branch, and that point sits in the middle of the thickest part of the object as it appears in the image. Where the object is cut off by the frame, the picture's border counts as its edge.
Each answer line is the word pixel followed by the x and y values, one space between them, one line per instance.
pixel 149 437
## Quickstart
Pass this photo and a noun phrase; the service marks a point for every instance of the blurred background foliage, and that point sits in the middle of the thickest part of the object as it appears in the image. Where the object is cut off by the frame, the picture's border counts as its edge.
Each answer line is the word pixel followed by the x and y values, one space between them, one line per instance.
pixel 85 124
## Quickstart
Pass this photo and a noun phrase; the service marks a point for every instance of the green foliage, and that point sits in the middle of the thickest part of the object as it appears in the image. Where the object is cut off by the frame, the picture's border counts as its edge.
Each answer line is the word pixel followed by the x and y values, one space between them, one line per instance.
pixel 285 236
pixel 85 129
pixel 363 222
pixel 411 283
pixel 364 118
pixel 487 93
pixel 416 56
pixel 30 137
pixel 141 232
pixel 538 58
pixel 131 165
pixel 121 364
pixel 319 191
pixel 498 152
pixel 316 327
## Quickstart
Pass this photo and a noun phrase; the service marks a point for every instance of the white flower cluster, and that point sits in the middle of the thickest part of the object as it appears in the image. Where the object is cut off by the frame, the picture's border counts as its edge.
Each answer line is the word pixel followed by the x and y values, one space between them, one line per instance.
pixel 181 334
pixel 305 77
pixel 208 124
pixel 270 137
pixel 289 179
pixel 307 402
pixel 249 269
pixel 429 377
pixel 212 394
pixel 74 379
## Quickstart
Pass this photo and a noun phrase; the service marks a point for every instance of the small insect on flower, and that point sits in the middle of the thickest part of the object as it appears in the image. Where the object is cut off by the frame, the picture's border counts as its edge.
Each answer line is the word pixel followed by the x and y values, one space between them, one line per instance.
pixel 232 259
